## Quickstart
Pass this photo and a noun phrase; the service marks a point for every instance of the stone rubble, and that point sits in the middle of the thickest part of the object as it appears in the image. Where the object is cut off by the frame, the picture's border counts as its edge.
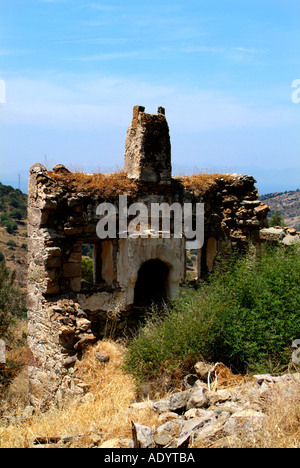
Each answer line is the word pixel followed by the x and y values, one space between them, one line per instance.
pixel 279 235
pixel 197 417
pixel 193 418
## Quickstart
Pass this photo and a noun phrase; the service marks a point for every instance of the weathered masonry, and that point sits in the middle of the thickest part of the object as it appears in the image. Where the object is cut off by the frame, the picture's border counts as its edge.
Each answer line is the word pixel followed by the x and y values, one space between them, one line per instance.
pixel 67 314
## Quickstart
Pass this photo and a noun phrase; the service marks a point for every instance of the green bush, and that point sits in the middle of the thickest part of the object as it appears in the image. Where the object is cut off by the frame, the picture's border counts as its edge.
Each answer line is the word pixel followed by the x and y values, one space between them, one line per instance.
pixel 11 226
pixel 17 214
pixel 87 250
pixel 13 206
pixel 246 317
pixel 87 269
pixel 276 219
pixel 11 243
pixel 12 301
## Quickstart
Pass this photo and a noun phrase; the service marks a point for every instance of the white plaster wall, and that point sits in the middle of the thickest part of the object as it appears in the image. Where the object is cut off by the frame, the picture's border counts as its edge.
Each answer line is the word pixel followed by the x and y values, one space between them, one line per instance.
pixel 134 252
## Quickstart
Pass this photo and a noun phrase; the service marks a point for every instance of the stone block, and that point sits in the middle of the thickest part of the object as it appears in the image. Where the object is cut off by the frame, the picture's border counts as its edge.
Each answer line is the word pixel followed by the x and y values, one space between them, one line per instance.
pixel 85 340
pixel 73 202
pixel 36 274
pixel 49 204
pixel 262 210
pixel 72 230
pixel 34 216
pixel 54 262
pixel 53 252
pixel 75 284
pixel 51 287
pixel 198 399
pixel 51 273
pixel 75 257
pixel 72 270
pixel 272 234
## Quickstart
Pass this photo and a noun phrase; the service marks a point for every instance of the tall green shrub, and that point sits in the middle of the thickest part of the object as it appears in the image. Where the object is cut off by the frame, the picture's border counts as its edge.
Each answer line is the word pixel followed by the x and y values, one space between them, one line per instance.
pixel 246 317
pixel 276 219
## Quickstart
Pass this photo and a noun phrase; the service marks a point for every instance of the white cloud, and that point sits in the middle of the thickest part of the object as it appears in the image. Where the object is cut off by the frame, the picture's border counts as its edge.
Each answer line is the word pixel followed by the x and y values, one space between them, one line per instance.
pixel 101 7
pixel 191 49
pixel 247 50
pixel 5 52
pixel 106 102
pixel 2 92
pixel 53 1
pixel 107 56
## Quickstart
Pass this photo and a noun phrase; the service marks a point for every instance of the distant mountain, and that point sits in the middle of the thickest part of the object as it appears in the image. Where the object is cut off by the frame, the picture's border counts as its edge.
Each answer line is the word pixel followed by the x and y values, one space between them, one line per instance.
pixel 288 203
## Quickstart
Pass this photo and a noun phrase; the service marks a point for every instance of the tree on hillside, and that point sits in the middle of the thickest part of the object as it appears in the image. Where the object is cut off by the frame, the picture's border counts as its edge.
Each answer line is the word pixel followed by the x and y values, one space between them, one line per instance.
pixel 12 301
pixel 13 207
pixel 276 219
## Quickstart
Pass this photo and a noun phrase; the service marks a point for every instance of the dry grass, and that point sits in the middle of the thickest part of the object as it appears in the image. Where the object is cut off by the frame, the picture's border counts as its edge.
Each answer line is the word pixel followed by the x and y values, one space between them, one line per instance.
pixel 117 182
pixel 203 181
pixel 281 405
pixel 16 388
pixel 106 185
pixel 283 411
pixel 107 412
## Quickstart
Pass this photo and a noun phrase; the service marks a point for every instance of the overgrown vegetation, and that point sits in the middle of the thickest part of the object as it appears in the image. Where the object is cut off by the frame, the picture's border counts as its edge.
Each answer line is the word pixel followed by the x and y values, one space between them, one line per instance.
pixel 106 416
pixel 117 182
pixel 276 219
pixel 202 181
pixel 107 185
pixel 246 316
pixel 87 269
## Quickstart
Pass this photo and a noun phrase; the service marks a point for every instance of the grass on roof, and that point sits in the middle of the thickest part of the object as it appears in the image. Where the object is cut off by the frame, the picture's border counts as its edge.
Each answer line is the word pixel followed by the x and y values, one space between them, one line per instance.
pixel 203 181
pixel 117 183
pixel 107 185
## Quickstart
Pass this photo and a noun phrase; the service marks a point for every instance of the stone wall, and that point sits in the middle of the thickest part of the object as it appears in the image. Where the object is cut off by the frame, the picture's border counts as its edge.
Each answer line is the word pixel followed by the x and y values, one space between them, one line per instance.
pixel 148 147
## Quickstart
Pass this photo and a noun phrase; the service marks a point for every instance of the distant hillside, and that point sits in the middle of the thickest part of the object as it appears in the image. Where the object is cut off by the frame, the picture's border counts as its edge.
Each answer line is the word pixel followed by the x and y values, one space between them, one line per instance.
pixel 288 203
pixel 13 231
pixel 13 207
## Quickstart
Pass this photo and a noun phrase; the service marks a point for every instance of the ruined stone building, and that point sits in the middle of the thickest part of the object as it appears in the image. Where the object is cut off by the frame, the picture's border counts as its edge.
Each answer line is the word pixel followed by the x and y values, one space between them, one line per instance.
pixel 66 314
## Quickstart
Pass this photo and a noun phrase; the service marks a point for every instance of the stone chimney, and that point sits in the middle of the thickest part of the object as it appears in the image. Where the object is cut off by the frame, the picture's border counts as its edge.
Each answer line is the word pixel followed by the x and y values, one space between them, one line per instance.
pixel 148 147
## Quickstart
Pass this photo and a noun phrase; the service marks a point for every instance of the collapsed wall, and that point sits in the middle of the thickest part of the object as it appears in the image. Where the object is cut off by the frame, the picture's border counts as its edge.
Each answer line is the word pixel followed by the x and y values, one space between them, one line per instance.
pixel 66 314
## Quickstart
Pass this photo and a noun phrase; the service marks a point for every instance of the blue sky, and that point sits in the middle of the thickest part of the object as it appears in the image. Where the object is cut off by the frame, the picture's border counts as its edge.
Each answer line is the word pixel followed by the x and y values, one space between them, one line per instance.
pixel 74 69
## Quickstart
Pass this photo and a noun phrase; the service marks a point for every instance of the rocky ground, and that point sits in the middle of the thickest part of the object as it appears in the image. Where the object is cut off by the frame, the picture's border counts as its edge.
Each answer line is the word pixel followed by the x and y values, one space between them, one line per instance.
pixel 216 409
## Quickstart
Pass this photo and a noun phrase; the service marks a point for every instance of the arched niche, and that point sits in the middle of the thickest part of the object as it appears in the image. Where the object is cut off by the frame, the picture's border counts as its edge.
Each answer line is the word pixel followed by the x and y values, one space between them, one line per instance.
pixel 152 283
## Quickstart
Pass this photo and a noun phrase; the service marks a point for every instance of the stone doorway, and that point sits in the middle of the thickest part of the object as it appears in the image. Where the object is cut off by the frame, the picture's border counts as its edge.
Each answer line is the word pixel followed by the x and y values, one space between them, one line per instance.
pixel 151 285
